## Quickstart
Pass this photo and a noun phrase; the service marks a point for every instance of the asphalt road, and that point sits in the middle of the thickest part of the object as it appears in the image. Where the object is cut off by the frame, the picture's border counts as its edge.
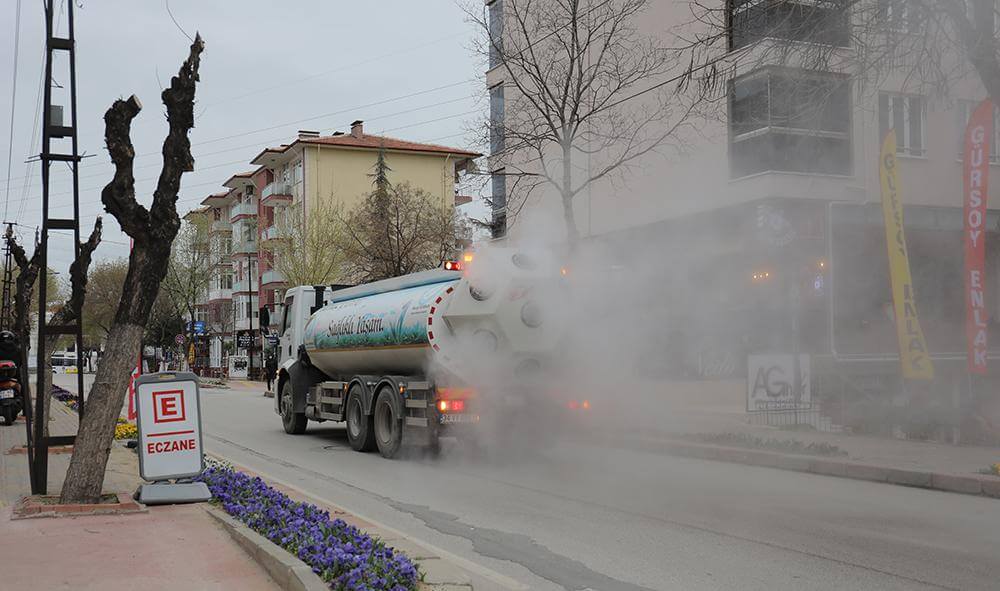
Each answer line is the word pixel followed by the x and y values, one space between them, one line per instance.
pixel 583 517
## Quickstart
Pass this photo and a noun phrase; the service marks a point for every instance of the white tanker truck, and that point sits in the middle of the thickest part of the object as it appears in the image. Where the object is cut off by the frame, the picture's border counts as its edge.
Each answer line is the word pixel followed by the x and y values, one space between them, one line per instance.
pixel 409 355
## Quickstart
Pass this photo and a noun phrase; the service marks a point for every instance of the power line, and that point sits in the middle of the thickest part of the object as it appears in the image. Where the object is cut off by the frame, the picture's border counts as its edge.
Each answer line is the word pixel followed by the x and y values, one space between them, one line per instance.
pixel 257 144
pixel 13 105
pixel 324 115
pixel 217 183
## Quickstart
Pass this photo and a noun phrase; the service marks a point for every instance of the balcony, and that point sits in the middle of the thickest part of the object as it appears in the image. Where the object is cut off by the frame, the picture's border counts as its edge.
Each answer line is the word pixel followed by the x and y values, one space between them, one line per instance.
pixel 245 286
pixel 271 234
pixel 245 247
pixel 217 294
pixel 272 277
pixel 221 226
pixel 241 210
pixel 276 193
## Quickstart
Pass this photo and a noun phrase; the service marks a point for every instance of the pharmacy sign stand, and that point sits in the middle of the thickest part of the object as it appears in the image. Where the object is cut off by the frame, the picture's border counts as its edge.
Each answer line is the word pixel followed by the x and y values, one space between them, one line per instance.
pixel 170 444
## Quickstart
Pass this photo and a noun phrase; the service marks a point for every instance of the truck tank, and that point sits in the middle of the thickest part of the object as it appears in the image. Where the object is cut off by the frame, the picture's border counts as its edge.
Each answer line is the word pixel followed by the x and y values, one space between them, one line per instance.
pixel 501 308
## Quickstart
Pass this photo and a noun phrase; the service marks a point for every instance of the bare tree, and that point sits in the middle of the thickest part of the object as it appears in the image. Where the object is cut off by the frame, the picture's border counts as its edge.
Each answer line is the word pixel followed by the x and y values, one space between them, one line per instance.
pixel 307 251
pixel 189 271
pixel 153 231
pixel 397 231
pixel 923 46
pixel 103 294
pixel 572 72
pixel 67 313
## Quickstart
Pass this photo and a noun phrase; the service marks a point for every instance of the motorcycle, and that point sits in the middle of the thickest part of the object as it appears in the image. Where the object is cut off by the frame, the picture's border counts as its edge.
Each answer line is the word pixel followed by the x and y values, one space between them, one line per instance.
pixel 11 401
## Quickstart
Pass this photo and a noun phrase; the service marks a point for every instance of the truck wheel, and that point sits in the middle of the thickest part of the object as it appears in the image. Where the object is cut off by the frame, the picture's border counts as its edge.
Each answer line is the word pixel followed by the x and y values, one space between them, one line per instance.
pixel 293 422
pixel 360 432
pixel 388 423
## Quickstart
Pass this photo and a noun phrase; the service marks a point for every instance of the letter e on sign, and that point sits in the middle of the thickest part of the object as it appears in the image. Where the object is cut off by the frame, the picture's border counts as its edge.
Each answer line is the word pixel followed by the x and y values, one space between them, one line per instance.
pixel 168 406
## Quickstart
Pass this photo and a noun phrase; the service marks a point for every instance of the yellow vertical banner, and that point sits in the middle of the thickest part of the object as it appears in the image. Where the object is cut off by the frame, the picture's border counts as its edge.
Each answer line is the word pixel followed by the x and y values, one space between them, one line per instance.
pixel 913 355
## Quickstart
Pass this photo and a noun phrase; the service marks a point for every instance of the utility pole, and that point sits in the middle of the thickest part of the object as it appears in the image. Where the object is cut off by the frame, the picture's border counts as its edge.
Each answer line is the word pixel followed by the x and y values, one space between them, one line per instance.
pixel 53 127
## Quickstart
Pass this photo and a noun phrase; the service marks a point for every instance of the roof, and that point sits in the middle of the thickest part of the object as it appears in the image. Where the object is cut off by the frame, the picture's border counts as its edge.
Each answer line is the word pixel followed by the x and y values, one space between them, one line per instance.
pixel 196 212
pixel 371 142
pixel 215 197
pixel 240 175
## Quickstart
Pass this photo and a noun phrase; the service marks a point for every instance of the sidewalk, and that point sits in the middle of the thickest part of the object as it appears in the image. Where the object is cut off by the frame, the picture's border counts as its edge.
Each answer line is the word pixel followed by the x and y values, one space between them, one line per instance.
pixel 693 418
pixel 170 547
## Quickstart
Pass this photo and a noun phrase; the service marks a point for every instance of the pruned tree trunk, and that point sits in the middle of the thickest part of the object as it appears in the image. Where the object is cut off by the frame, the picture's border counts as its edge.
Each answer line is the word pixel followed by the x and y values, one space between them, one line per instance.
pixel 23 287
pixel 152 231
pixel 69 313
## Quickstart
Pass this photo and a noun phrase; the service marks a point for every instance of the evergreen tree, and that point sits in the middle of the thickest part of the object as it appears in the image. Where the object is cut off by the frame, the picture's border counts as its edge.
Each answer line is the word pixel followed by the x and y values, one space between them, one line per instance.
pixel 380 176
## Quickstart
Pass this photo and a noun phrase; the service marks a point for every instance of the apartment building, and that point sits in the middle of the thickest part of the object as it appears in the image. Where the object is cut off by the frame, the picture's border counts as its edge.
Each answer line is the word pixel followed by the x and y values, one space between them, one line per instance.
pixel 765 232
pixel 336 169
pixel 297 176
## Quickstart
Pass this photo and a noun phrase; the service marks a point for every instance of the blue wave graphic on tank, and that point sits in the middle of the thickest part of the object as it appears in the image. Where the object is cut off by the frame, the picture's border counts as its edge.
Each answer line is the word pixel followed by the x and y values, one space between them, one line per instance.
pixel 390 319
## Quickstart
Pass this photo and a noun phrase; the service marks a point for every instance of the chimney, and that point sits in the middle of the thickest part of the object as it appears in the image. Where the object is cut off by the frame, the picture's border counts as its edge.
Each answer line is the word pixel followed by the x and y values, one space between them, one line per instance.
pixel 307 133
pixel 358 129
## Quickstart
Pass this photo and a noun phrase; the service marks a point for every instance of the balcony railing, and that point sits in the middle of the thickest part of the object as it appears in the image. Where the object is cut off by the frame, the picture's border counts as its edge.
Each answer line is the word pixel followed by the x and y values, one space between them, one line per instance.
pixel 245 285
pixel 272 233
pixel 276 191
pixel 271 276
pixel 245 247
pixel 242 209
pixel 219 294
pixel 222 226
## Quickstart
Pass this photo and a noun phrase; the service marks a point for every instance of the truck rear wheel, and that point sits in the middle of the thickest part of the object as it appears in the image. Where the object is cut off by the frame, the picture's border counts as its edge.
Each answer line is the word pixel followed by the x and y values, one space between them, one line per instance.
pixel 293 422
pixel 360 432
pixel 388 423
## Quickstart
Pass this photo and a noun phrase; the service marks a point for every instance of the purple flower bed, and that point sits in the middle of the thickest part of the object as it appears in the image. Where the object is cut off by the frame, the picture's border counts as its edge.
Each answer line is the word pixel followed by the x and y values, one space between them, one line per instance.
pixel 343 556
pixel 65 396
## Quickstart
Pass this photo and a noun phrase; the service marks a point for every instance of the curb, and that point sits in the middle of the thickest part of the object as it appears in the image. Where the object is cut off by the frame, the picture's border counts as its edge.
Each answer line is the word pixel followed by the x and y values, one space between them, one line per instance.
pixel 290 573
pixel 32 507
pixel 969 484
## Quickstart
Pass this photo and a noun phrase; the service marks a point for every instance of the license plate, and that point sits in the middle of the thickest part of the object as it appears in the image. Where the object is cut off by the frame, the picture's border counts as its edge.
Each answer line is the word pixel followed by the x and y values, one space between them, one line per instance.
pixel 6 394
pixel 459 418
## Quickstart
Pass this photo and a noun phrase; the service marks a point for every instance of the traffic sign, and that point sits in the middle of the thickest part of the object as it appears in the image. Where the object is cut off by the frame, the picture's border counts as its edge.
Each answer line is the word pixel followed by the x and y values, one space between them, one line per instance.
pixel 169 425
pixel 179 339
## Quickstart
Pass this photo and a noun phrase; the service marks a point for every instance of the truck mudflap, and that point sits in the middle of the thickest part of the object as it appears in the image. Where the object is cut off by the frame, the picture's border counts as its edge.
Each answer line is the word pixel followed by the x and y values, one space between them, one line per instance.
pixel 302 377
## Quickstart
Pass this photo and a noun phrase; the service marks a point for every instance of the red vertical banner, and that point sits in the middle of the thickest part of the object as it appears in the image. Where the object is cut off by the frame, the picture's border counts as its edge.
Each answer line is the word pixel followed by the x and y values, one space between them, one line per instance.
pixel 976 169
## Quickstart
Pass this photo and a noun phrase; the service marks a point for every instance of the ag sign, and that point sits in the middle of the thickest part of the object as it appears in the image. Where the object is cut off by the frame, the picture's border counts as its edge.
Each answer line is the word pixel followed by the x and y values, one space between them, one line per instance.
pixel 771 383
pixel 169 423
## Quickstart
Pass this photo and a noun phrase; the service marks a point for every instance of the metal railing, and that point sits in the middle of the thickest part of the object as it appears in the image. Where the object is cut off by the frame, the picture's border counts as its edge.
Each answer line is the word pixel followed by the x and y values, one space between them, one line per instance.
pixel 272 276
pixel 277 189
pixel 242 209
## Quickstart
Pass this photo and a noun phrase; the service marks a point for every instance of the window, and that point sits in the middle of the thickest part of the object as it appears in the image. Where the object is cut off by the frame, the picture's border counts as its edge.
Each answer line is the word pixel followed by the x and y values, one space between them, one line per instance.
pixel 499 202
pixel 819 21
pixel 496 32
pixel 906 115
pixel 900 15
pixel 496 119
pixel 791 120
pixel 964 111
pixel 285 312
pixel 250 190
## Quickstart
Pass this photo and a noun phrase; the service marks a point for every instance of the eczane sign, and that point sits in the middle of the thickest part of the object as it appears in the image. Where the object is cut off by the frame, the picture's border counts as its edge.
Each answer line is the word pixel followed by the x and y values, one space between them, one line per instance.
pixel 169 424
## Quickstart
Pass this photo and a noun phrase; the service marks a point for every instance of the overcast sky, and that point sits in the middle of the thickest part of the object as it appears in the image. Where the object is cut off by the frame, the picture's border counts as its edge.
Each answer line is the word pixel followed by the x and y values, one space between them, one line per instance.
pixel 269 69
